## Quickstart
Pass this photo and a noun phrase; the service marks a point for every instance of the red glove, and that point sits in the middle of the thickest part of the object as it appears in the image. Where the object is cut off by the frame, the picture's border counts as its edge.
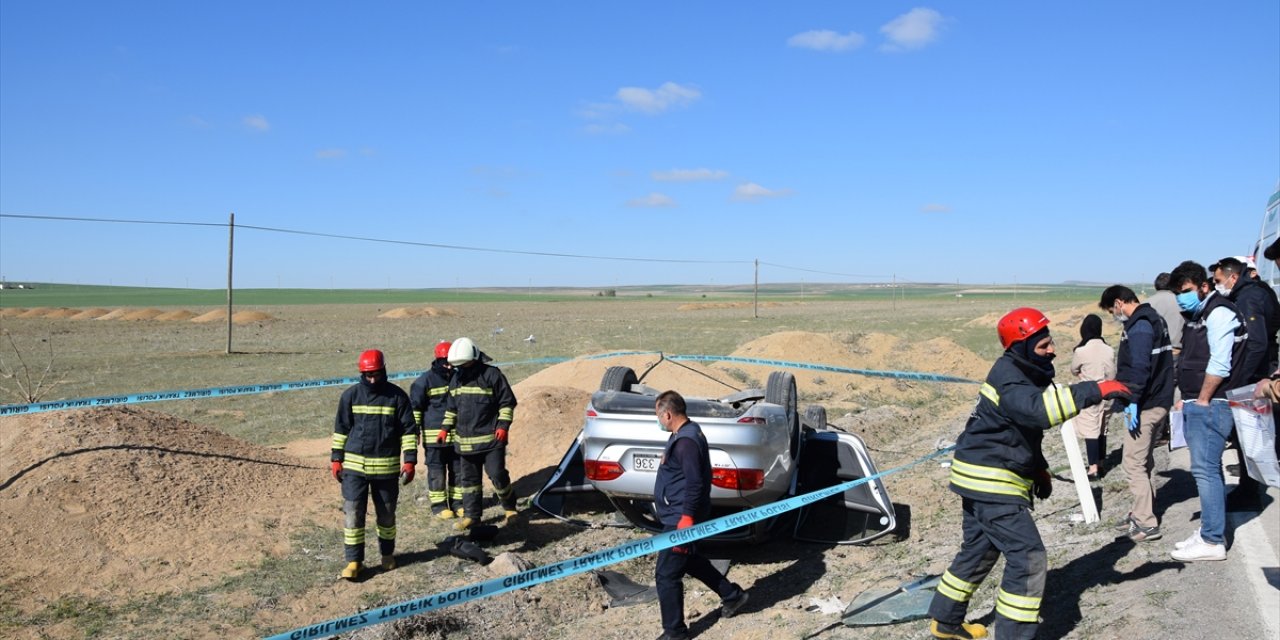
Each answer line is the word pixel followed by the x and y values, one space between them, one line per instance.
pixel 685 522
pixel 1112 389
pixel 501 435
pixel 335 468
pixel 443 436
pixel 406 473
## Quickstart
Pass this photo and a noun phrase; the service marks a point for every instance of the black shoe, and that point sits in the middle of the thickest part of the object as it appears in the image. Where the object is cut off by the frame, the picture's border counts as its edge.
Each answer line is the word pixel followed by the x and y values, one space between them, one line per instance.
pixel 1233 470
pixel 683 635
pixel 729 606
pixel 1244 499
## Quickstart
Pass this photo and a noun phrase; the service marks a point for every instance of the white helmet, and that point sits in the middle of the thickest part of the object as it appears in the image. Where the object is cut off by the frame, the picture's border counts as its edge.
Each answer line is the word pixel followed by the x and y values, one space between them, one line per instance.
pixel 462 351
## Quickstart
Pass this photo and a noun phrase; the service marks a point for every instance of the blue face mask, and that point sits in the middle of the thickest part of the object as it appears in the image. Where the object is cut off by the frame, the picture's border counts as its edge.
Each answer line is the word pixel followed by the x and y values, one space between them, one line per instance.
pixel 1189 301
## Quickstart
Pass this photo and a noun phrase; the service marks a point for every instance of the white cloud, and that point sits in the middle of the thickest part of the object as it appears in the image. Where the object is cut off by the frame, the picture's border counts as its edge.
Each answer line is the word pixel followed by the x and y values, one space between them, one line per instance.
pixel 197 122
pixel 257 123
pixel 689 175
pixel 826 40
pixel 751 192
pixel 655 101
pixel 330 154
pixel 934 207
pixel 912 30
pixel 652 201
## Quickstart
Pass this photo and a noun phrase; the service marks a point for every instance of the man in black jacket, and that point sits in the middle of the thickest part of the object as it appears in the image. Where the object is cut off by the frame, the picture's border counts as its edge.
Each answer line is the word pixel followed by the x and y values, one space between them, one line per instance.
pixel 1257 304
pixel 682 498
pixel 998 464
pixel 1144 363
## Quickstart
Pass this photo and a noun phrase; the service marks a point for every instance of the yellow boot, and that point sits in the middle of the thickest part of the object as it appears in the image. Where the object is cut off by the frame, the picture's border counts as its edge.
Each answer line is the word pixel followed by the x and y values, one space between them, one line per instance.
pixel 388 563
pixel 510 516
pixel 352 571
pixel 459 511
pixel 447 514
pixel 962 631
pixel 463 524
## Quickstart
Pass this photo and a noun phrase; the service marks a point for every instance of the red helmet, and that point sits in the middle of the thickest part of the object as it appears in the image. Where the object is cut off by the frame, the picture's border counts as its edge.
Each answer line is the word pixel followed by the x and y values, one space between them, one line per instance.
pixel 1020 324
pixel 442 349
pixel 372 360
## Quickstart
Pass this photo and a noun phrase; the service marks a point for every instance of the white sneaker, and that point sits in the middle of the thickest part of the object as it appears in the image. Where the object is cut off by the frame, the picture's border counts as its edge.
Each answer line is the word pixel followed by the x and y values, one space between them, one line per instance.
pixel 1200 550
pixel 1195 537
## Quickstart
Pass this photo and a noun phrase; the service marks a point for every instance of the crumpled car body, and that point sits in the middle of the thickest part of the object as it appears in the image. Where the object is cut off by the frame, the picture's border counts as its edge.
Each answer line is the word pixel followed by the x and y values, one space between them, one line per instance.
pixel 762 450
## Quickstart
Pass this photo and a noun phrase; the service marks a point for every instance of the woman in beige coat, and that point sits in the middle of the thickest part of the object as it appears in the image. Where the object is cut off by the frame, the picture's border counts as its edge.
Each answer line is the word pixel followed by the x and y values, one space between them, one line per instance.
pixel 1093 359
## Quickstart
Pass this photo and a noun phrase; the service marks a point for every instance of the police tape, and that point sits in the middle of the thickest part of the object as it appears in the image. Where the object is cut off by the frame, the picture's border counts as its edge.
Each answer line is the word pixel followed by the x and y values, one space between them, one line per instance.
pixel 580 564
pixel 240 390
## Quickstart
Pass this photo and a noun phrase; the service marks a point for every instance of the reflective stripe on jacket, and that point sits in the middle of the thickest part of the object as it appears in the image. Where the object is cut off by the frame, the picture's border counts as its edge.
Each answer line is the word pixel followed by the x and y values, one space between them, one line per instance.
pixel 480 402
pixel 373 428
pixel 428 395
pixel 998 454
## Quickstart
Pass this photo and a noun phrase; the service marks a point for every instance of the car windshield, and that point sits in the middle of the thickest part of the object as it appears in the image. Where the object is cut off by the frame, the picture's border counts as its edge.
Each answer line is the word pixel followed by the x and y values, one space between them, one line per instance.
pixel 638 404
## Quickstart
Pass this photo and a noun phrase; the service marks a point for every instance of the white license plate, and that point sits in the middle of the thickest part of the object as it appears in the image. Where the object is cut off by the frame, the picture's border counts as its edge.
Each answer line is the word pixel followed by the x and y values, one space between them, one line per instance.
pixel 645 462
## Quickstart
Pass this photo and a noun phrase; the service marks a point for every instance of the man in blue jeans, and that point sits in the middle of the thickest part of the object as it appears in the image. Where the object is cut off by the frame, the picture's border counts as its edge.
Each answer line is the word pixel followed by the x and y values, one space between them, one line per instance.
pixel 682 498
pixel 1213 344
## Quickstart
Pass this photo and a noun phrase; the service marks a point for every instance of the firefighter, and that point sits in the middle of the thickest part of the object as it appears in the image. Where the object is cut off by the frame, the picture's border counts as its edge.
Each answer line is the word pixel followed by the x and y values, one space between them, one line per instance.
pixel 997 467
pixel 479 410
pixel 428 395
pixel 373 429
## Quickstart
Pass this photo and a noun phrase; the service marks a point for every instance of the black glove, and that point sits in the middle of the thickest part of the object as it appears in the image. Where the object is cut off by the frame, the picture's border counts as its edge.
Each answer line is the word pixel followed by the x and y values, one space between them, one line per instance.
pixel 1043 486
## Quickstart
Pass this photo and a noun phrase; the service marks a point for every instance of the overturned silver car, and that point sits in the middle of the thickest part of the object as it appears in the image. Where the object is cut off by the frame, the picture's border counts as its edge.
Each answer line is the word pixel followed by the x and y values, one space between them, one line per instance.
pixel 762 450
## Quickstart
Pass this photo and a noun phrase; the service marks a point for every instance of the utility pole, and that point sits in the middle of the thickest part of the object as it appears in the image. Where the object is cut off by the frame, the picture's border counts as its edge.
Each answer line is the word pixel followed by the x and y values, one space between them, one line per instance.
pixel 231 246
pixel 755 296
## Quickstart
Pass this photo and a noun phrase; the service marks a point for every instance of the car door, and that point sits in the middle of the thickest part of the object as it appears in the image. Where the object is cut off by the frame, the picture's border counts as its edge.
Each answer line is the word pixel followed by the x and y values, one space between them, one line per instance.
pixel 859 514
pixel 568 493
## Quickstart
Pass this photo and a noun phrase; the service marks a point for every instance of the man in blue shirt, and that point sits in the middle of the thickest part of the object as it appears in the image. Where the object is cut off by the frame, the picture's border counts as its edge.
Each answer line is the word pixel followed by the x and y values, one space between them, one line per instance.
pixel 1214 343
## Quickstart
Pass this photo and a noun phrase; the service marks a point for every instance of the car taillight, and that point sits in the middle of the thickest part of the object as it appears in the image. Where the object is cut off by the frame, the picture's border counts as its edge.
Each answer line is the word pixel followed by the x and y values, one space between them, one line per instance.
pixel 602 469
pixel 734 478
pixel 591 413
pixel 751 420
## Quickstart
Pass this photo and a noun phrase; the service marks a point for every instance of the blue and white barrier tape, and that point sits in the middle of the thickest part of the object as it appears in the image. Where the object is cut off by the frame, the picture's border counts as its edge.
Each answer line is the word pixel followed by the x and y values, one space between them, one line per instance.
pixel 239 390
pixel 580 564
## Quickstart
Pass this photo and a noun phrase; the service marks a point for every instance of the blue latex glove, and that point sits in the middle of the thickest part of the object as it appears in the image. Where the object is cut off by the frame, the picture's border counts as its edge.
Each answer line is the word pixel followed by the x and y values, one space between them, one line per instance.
pixel 1131 419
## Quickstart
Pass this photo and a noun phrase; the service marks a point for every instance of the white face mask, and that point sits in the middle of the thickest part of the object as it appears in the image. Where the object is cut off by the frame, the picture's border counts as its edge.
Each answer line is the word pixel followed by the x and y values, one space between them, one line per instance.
pixel 1222 289
pixel 1120 317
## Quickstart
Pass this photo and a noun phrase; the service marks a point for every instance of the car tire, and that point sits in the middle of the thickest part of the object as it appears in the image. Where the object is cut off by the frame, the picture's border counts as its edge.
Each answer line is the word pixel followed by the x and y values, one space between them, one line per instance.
pixel 815 415
pixel 780 389
pixel 618 379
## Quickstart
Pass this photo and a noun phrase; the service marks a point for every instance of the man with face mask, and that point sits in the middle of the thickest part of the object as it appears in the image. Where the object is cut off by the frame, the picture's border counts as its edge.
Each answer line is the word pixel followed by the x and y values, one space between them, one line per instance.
pixel 1145 365
pixel 1214 344
pixel 998 465
pixel 1257 305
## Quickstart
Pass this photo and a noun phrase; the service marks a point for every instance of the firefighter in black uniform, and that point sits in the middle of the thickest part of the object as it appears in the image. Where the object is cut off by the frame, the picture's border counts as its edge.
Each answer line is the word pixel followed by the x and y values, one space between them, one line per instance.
pixel 373 429
pixel 429 394
pixel 479 410
pixel 998 464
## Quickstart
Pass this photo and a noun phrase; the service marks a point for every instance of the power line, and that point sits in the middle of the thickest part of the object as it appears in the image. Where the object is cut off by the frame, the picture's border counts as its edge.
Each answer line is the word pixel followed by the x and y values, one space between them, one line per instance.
pixel 73 219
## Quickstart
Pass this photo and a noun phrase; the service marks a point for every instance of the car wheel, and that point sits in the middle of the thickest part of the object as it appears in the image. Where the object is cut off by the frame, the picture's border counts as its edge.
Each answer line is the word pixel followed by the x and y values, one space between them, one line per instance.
pixel 815 415
pixel 781 390
pixel 618 379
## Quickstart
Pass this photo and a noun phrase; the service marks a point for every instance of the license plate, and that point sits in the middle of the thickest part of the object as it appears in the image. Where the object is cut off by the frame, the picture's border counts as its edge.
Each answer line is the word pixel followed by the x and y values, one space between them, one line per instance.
pixel 645 462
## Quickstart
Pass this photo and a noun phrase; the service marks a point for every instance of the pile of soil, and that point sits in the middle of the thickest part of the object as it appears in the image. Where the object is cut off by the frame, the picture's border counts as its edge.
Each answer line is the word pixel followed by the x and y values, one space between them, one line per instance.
pixel 61 313
pixel 239 317
pixel 424 312
pixel 90 314
pixel 118 500
pixel 697 306
pixel 142 314
pixel 37 312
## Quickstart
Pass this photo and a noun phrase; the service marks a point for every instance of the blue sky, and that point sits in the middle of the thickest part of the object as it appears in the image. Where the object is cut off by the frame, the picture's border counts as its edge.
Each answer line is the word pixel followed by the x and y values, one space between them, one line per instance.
pixel 973 141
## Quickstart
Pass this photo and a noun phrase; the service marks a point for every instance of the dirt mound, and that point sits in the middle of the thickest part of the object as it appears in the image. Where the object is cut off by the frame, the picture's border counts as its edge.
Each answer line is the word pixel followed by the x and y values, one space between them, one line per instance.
pixel 37 312
pixel 584 374
pixel 114 314
pixel 180 314
pixel 1064 323
pixel 696 306
pixel 547 421
pixel 149 313
pixel 12 312
pixel 61 313
pixel 874 351
pixel 423 312
pixel 90 314
pixel 135 501
pixel 239 317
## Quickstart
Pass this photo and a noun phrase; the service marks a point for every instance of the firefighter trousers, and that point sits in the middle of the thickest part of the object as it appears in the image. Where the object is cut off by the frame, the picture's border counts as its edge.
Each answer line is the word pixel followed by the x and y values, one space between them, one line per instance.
pixel 991 529
pixel 494 463
pixel 442 478
pixel 356 490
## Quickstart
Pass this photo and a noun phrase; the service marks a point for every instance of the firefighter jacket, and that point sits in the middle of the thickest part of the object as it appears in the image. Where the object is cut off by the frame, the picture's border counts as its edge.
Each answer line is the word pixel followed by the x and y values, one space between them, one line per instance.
pixel 373 429
pixel 683 485
pixel 1194 359
pixel 480 402
pixel 428 395
pixel 998 455
pixel 1149 375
